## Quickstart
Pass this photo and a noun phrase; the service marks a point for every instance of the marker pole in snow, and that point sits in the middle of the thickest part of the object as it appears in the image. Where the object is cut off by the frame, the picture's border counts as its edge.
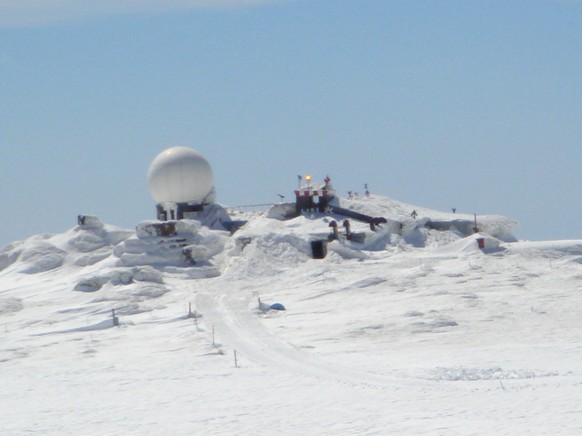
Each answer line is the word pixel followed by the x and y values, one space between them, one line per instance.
pixel 235 361
pixel 115 318
pixel 213 343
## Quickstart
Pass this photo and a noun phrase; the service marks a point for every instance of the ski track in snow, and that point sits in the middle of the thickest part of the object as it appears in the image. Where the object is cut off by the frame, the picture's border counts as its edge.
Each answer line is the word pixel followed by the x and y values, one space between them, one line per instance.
pixel 238 327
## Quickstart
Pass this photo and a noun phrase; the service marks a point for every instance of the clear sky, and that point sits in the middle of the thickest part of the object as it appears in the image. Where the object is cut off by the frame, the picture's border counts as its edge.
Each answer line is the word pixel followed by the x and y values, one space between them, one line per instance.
pixel 475 105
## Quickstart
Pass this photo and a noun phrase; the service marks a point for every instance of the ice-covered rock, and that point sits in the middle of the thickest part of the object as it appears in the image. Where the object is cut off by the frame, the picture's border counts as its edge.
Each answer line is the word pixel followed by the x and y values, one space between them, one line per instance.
pixel 42 257
pixel 9 255
pixel 171 243
pixel 148 274
pixel 91 284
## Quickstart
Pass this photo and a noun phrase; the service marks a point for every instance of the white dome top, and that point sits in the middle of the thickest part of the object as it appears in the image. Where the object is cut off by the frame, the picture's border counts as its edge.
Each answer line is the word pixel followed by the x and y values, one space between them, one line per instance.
pixel 180 175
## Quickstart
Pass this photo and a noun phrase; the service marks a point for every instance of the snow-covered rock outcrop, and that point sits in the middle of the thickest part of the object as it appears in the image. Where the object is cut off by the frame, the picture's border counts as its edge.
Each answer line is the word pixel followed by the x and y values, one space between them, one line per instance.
pixel 172 243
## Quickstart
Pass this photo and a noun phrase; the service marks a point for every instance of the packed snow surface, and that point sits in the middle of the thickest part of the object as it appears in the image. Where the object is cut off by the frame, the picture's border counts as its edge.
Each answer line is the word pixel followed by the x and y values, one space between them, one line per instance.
pixel 113 331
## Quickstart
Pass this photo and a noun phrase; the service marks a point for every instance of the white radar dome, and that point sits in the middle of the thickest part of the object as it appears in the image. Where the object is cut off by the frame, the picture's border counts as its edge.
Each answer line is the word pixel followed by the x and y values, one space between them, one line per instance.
pixel 180 175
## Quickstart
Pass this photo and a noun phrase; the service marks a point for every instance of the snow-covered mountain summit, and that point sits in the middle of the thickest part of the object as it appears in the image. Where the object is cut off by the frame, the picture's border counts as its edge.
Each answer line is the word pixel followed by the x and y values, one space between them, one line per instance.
pixel 422 328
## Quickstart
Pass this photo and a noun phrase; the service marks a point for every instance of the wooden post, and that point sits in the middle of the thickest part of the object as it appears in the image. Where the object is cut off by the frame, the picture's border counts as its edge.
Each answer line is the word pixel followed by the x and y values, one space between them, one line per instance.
pixel 235 361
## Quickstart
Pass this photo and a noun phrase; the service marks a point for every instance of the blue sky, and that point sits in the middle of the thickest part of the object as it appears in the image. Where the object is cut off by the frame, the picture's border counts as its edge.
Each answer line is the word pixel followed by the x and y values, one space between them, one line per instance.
pixel 467 104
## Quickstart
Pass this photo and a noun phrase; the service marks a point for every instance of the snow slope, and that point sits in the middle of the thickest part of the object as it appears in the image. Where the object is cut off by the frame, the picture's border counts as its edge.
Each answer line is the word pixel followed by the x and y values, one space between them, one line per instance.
pixel 405 334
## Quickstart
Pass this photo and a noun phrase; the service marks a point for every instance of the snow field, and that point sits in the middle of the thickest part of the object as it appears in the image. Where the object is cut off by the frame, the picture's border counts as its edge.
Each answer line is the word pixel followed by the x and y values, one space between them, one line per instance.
pixel 440 338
